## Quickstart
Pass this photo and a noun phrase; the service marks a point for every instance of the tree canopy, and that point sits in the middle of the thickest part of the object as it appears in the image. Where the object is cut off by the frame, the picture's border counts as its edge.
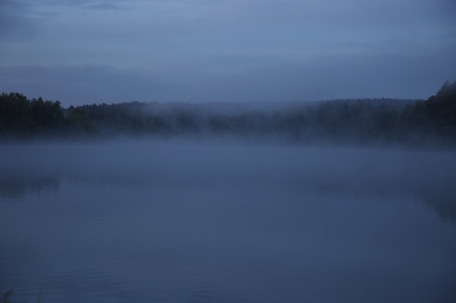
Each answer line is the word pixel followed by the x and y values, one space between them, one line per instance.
pixel 363 121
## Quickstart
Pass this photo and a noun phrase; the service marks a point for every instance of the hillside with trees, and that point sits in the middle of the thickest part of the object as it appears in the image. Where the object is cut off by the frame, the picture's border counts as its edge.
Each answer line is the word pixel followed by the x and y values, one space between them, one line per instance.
pixel 361 121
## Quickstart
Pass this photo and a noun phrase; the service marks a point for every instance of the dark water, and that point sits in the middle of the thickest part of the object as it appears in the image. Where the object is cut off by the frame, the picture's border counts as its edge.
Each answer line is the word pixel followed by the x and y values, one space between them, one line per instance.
pixel 221 222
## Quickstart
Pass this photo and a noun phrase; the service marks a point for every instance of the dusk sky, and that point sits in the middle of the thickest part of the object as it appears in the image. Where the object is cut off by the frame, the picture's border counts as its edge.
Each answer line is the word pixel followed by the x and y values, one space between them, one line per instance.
pixel 81 51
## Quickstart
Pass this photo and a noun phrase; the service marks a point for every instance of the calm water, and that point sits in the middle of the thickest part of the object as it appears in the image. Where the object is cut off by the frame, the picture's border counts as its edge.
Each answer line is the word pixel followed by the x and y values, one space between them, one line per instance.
pixel 220 222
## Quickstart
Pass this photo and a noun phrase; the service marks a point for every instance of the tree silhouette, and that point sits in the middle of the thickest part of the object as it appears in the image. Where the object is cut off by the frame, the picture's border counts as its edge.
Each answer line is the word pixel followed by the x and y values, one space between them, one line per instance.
pixel 361 121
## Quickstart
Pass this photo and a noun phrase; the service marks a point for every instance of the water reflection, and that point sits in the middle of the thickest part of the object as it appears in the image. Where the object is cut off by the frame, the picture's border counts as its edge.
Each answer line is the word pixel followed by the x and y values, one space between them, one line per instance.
pixel 443 203
pixel 16 187
pixel 436 195
pixel 208 224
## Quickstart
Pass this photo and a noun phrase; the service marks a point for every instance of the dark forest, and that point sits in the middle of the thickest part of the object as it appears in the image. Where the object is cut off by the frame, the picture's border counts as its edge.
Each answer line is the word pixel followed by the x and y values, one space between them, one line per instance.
pixel 354 121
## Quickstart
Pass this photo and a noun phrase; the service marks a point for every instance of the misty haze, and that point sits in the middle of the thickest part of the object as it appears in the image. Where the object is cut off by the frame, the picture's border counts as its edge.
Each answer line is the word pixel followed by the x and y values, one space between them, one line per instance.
pixel 254 151
pixel 330 201
pixel 226 221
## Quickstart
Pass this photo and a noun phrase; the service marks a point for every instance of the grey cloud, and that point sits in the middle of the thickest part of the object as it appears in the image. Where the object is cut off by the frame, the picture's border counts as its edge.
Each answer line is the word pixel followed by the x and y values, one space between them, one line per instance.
pixel 91 4
pixel 230 79
pixel 321 11
pixel 82 84
pixel 106 6
pixel 236 50
pixel 25 18
pixel 16 20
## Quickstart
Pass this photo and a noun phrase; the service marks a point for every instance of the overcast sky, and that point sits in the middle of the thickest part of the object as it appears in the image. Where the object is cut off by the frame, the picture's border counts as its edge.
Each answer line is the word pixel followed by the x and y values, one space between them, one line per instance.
pixel 82 51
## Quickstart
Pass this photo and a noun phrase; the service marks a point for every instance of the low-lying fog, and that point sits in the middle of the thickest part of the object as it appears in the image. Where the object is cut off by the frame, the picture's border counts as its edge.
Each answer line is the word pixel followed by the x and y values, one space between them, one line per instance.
pixel 219 221
pixel 223 163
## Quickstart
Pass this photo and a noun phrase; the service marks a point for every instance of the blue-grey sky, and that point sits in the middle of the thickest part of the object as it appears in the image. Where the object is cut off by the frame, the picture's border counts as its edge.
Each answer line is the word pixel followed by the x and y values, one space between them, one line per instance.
pixel 84 51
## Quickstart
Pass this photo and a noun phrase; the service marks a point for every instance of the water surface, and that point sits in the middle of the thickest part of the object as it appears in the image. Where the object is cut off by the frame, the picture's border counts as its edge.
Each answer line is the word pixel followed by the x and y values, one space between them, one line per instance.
pixel 226 222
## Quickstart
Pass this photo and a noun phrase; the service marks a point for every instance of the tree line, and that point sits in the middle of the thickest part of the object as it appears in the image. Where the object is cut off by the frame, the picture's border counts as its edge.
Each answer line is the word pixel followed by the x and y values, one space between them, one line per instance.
pixel 363 121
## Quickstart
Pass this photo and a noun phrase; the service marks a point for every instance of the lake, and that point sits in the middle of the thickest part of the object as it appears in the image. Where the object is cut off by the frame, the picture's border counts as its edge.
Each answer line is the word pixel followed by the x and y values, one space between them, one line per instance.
pixel 199 221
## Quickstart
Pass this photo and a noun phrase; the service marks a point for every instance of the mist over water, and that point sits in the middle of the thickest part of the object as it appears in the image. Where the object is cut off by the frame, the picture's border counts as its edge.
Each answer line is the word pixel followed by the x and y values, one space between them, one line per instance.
pixel 225 221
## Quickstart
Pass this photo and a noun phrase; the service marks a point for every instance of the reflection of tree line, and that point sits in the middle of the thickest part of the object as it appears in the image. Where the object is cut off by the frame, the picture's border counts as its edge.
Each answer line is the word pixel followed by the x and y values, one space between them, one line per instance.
pixel 440 199
pixel 341 121
pixel 16 187
pixel 443 204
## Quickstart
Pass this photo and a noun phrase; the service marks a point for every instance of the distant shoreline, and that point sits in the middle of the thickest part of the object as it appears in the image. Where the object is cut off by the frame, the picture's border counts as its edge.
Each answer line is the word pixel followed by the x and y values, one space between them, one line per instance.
pixel 365 122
